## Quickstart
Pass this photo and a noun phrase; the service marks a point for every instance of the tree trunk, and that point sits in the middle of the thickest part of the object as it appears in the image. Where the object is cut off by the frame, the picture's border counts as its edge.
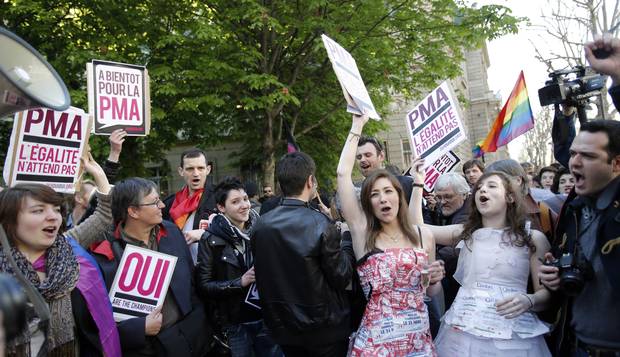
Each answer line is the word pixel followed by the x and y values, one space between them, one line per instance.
pixel 269 162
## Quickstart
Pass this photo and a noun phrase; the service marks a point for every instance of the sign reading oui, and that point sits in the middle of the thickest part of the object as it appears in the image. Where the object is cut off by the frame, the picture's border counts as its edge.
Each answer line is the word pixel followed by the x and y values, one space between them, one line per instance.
pixel 141 282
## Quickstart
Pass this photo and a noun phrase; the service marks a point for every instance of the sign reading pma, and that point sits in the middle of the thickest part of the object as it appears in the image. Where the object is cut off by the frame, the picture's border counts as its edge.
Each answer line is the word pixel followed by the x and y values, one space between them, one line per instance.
pixel 435 125
pixel 118 97
pixel 439 167
pixel 46 147
pixel 141 282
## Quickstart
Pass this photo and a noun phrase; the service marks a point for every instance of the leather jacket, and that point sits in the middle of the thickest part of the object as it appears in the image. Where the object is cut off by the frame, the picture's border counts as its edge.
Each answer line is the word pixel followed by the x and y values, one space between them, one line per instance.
pixel 219 270
pixel 302 269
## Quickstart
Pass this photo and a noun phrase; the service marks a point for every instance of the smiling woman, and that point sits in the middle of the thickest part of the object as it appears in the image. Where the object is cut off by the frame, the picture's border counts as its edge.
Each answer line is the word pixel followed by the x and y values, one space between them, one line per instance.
pixel 59 270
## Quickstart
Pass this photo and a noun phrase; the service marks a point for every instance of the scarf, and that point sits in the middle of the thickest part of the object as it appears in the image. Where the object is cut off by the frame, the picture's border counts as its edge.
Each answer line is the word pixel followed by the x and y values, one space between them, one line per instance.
pixel 62 271
pixel 184 205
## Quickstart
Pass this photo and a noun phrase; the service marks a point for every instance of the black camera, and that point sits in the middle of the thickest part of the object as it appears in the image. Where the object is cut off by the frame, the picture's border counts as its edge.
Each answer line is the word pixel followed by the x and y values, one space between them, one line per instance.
pixel 562 89
pixel 13 304
pixel 573 274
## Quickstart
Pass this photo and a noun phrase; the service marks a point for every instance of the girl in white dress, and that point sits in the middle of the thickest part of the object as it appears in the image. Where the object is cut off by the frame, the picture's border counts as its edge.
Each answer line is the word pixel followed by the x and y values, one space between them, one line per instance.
pixel 492 313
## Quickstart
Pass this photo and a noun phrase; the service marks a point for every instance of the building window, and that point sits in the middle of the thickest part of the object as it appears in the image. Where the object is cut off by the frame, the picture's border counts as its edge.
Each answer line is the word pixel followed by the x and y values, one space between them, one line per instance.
pixel 406 149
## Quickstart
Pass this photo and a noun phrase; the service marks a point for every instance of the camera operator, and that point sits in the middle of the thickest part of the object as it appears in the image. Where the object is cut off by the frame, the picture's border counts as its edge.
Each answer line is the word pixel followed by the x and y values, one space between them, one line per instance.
pixel 586 275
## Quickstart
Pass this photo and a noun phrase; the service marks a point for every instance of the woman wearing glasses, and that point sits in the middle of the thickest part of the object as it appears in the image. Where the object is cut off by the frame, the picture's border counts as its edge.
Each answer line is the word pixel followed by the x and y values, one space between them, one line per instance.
pixel 178 326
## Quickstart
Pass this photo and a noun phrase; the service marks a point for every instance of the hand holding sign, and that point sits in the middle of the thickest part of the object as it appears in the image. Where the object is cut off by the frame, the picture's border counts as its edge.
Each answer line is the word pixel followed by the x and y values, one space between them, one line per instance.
pixel 417 169
pixel 248 278
pixel 116 139
pixel 153 321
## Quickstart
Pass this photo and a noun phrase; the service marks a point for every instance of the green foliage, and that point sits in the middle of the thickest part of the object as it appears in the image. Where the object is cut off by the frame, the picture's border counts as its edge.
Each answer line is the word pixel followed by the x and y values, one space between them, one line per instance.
pixel 226 70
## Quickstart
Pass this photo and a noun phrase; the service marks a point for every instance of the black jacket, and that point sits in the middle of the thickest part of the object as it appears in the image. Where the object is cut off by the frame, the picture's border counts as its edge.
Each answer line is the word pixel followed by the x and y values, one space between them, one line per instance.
pixel 206 206
pixel 607 231
pixel 218 273
pixel 302 270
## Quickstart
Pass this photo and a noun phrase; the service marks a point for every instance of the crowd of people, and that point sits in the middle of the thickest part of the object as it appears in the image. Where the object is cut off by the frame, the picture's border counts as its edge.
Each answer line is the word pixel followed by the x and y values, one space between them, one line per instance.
pixel 502 260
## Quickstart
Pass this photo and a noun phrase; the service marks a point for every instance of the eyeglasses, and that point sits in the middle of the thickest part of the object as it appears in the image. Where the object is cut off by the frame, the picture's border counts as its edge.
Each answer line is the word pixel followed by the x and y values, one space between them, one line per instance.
pixel 154 203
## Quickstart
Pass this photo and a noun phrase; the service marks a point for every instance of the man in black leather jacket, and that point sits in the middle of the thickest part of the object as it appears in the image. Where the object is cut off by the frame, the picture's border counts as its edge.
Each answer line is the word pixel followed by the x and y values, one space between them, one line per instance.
pixel 302 268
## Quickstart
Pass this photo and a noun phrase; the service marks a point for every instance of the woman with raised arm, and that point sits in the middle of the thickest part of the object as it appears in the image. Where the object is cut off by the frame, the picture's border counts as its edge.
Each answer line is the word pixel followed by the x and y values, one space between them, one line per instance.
pixel 60 272
pixel 491 313
pixel 394 260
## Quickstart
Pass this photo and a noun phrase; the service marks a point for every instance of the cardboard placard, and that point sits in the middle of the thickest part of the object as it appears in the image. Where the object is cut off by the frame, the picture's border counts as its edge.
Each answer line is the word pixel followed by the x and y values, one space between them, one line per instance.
pixel 119 97
pixel 442 165
pixel 353 88
pixel 435 124
pixel 141 282
pixel 46 146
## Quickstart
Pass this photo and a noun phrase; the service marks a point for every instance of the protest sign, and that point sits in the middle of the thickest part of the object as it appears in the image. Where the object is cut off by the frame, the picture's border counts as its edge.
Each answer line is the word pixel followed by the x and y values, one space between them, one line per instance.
pixel 353 88
pixel 252 297
pixel 439 167
pixel 46 146
pixel 141 282
pixel 119 97
pixel 435 124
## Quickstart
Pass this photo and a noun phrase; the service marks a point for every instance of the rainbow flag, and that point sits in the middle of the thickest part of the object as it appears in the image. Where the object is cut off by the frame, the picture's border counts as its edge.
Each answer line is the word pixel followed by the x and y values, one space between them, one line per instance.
pixel 515 119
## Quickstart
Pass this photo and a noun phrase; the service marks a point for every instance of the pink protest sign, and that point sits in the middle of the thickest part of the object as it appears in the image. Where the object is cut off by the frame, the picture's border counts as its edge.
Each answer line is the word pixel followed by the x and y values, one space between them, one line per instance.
pixel 440 166
pixel 118 97
pixel 141 282
pixel 46 146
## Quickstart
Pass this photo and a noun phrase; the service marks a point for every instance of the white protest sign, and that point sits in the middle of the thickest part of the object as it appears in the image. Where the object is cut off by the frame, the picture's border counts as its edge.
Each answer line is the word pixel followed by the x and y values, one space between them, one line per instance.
pixel 252 297
pixel 435 124
pixel 45 147
pixel 141 282
pixel 353 88
pixel 442 165
pixel 118 97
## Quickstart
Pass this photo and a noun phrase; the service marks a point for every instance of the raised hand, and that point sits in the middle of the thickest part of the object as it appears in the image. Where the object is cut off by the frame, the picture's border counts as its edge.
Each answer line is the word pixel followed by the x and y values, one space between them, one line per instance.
pixel 610 65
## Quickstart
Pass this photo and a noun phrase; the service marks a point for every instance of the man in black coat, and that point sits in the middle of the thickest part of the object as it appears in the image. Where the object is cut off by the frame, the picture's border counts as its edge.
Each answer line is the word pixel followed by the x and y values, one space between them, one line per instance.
pixel 302 268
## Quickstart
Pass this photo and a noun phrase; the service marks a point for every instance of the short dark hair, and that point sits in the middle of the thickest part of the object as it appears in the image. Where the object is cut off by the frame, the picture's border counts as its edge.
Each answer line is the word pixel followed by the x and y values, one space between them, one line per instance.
pixel 471 163
pixel 547 169
pixel 12 199
pixel 224 187
pixel 372 140
pixel 556 179
pixel 191 154
pixel 127 193
pixel 609 127
pixel 293 171
pixel 251 188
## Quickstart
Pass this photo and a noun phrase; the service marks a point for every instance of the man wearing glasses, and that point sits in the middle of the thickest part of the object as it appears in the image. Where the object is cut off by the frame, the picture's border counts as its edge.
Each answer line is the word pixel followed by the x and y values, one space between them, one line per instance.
pixel 179 326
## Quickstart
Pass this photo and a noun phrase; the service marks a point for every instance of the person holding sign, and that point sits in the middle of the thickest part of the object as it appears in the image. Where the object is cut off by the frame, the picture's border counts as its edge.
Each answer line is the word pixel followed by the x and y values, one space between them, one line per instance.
pixel 178 326
pixel 395 260
pixel 61 272
pixel 491 314
pixel 225 274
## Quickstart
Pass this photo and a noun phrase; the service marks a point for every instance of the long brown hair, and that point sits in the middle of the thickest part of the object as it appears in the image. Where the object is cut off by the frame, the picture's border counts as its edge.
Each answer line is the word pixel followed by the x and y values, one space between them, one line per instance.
pixel 373 223
pixel 516 216
pixel 12 200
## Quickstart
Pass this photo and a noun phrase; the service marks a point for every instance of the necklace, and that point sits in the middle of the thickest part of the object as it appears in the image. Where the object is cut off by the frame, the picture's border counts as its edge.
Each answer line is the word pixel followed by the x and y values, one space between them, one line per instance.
pixel 395 238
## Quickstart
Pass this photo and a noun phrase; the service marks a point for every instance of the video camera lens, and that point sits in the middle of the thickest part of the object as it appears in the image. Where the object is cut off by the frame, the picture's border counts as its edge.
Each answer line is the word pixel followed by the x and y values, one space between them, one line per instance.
pixel 13 304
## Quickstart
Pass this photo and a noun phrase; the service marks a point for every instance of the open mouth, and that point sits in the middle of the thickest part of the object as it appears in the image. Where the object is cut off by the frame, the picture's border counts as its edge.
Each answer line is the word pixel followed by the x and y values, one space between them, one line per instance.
pixel 50 229
pixel 386 209
pixel 578 178
pixel 483 199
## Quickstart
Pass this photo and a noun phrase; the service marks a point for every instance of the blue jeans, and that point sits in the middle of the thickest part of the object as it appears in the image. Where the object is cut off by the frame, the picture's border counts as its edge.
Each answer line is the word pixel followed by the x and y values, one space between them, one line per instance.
pixel 252 339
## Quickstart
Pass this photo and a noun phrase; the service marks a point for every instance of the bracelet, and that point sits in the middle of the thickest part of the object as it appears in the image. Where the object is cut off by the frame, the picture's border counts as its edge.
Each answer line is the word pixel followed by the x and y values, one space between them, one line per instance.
pixel 355 134
pixel 530 300
pixel 420 185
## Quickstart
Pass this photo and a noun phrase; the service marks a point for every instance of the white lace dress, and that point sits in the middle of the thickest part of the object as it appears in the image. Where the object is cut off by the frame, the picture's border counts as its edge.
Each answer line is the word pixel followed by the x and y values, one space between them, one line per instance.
pixel 489 269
